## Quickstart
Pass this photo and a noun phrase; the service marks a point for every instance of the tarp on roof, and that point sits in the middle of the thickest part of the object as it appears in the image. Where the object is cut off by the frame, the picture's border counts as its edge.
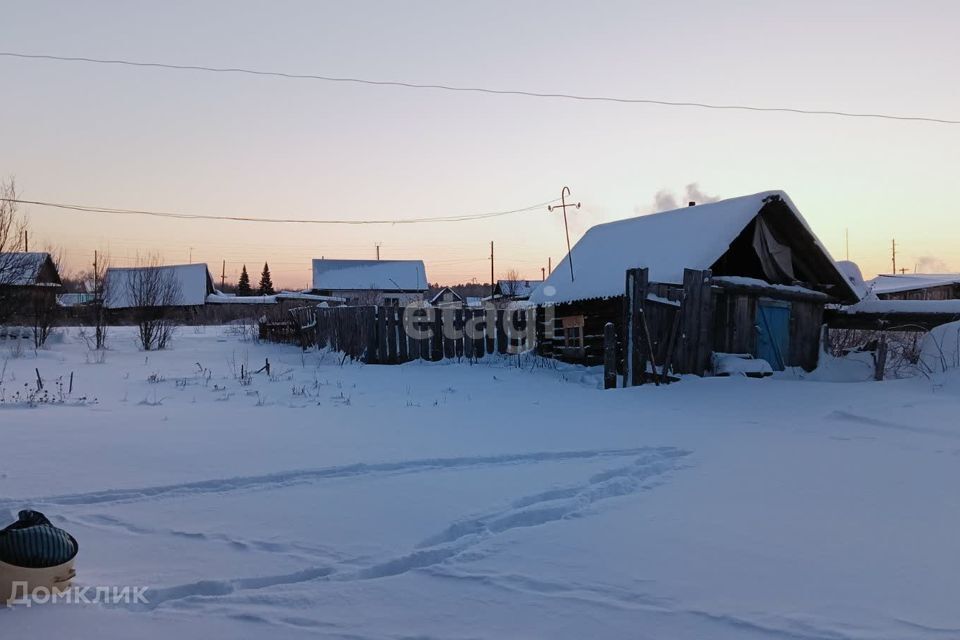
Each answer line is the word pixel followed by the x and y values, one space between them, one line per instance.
pixel 911 282
pixel 383 275
pixel 666 243
pixel 194 281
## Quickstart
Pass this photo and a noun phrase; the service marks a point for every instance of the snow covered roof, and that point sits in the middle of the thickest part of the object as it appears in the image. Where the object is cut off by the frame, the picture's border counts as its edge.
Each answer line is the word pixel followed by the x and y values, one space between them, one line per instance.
pixel 911 282
pixel 666 243
pixel 381 275
pixel 193 280
pixel 517 288
pixel 24 268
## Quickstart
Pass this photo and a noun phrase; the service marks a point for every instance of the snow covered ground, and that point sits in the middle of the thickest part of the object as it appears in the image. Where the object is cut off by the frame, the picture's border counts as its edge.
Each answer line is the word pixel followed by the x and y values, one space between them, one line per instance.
pixel 487 501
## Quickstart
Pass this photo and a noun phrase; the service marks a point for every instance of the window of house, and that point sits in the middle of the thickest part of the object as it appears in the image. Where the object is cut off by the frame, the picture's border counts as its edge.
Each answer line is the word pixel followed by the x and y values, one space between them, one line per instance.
pixel 570 335
pixel 391 301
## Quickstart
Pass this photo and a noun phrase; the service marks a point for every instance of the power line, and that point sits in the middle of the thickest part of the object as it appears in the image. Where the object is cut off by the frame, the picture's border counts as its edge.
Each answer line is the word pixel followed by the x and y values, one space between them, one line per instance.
pixel 468 89
pixel 199 216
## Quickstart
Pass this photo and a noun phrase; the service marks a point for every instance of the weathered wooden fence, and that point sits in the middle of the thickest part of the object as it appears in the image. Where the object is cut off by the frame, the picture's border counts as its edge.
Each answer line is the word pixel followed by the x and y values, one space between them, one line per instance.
pixel 666 328
pixel 392 335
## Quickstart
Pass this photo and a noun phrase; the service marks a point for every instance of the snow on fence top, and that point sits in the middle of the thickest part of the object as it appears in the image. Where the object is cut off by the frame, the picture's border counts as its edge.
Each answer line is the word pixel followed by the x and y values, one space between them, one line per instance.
pixel 666 243
pixel 193 280
pixel 382 275
pixel 911 282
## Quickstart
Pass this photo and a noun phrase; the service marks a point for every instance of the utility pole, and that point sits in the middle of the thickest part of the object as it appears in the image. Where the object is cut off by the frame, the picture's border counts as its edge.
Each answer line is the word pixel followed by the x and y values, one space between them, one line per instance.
pixel 26 241
pixel 377 245
pixel 493 284
pixel 549 264
pixel 223 275
pixel 95 283
pixel 563 205
pixel 893 248
pixel 543 273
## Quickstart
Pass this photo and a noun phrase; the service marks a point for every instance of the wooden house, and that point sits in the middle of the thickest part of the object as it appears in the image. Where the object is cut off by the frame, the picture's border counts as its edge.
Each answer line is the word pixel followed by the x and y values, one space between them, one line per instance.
pixel 743 276
pixel 29 280
pixel 371 282
pixel 916 286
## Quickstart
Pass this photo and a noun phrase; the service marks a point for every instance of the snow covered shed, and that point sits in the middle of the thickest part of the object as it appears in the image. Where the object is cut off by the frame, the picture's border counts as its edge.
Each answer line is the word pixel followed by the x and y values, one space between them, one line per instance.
pixel 371 282
pixel 29 281
pixel 767 274
pixel 176 285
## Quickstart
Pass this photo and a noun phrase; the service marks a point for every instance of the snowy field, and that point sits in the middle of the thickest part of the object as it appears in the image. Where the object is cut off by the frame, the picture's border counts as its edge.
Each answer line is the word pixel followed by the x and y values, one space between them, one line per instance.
pixel 487 501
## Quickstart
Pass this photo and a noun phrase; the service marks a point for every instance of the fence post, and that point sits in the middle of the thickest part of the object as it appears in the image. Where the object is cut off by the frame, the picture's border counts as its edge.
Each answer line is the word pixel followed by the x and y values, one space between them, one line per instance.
pixel 609 356
pixel 392 350
pixel 697 312
pixel 636 294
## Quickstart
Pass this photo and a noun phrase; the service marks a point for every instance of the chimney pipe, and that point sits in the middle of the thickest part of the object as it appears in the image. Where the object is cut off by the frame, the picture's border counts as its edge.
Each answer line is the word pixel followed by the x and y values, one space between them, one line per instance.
pixel 691 204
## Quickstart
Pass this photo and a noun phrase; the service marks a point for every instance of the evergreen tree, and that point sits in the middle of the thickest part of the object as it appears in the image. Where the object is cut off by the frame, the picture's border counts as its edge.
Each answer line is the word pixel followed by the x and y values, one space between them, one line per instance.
pixel 266 284
pixel 243 284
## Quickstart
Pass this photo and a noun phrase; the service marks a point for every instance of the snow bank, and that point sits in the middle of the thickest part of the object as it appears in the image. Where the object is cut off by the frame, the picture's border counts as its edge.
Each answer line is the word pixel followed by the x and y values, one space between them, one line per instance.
pixel 940 349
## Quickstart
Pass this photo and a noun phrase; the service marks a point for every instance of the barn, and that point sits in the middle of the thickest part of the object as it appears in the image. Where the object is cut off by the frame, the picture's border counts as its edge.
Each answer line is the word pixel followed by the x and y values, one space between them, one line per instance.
pixel 743 276
pixel 176 285
pixel 371 282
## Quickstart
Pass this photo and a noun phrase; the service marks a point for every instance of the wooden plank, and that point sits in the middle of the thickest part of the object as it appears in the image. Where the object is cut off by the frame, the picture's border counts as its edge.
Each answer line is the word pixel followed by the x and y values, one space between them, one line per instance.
pixel 402 352
pixel 609 356
pixel 671 344
pixel 449 330
pixel 459 337
pixel 638 295
pixel 436 343
pixel 704 340
pixel 392 347
pixel 491 328
pixel 501 331
pixel 627 326
pixel 381 335
pixel 369 318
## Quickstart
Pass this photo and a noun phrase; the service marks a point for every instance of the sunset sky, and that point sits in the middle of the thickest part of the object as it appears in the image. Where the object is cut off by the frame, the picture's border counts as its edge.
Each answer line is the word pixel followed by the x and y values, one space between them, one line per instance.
pixel 224 144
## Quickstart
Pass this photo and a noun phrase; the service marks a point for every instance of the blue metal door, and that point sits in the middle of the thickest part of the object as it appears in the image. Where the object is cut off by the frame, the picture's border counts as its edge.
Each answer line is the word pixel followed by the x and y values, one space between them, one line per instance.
pixel 773 332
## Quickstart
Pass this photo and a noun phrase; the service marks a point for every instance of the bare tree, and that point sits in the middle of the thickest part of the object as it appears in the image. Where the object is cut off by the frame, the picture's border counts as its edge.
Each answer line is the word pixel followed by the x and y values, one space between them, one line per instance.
pixel 99 277
pixel 43 303
pixel 151 292
pixel 14 264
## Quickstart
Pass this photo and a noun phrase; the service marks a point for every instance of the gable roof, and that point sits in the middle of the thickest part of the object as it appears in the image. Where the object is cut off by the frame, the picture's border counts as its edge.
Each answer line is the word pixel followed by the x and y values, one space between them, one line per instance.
pixel 667 243
pixel 194 280
pixel 381 275
pixel 911 282
pixel 26 269
pixel 437 297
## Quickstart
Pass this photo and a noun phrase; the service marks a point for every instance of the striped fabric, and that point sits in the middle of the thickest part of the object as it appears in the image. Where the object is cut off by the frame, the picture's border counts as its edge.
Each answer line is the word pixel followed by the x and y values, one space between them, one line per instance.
pixel 33 542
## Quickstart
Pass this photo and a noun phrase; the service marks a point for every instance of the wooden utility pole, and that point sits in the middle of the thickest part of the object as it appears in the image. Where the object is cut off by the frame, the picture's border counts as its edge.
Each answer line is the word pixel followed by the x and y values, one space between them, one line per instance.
pixel 223 275
pixel 549 265
pixel 893 248
pixel 543 273
pixel 377 245
pixel 493 283
pixel 95 283
pixel 563 205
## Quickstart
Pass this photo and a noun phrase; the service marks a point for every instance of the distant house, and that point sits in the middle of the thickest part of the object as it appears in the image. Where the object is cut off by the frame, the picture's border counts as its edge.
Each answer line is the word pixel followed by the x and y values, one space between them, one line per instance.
pixel 28 270
pixel 916 286
pixel 373 282
pixel 515 289
pixel 447 297
pixel 29 281
pixel 190 285
pixel 769 280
